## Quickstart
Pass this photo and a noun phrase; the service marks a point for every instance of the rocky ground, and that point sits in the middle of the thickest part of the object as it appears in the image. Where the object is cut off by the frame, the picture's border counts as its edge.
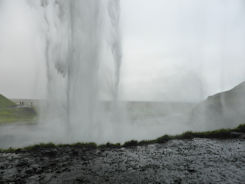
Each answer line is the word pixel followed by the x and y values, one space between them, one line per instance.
pixel 177 161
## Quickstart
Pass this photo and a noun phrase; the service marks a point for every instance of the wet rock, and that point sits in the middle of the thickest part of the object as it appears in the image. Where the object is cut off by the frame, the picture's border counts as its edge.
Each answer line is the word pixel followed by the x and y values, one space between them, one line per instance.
pixel 238 135
pixel 23 163
pixel 195 161
pixel 29 171
pixel 177 181
pixel 49 153
pixel 75 152
pixel 191 170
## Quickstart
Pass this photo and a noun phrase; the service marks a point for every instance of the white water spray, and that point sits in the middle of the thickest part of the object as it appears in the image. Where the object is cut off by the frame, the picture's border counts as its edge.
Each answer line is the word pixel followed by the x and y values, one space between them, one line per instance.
pixel 78 32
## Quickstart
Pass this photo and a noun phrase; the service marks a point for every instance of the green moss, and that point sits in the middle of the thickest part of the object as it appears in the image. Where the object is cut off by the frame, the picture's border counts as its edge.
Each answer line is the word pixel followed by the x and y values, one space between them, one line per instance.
pixel 131 143
pixel 110 145
pixel 163 139
pixel 216 134
pixel 39 146
pixel 146 142
pixel 240 128
pixel 9 150
pixel 90 145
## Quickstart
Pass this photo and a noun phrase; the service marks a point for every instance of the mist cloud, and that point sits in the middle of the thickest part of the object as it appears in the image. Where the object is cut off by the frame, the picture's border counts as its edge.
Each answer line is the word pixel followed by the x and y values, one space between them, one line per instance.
pixel 161 40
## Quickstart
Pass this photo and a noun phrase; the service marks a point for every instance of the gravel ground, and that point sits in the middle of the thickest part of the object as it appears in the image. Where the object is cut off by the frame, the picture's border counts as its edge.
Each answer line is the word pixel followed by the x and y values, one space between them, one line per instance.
pixel 178 161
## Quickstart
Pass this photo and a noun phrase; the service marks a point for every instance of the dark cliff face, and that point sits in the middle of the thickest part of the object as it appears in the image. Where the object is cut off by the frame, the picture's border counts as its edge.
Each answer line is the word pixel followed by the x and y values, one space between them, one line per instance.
pixel 223 110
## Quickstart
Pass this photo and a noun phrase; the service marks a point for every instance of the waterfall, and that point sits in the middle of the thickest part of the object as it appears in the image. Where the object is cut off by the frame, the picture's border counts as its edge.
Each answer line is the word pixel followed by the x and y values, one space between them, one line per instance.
pixel 77 36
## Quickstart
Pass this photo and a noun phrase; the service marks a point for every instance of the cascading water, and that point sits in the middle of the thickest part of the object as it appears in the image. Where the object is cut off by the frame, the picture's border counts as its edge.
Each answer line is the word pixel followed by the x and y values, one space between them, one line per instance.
pixel 82 36
pixel 79 43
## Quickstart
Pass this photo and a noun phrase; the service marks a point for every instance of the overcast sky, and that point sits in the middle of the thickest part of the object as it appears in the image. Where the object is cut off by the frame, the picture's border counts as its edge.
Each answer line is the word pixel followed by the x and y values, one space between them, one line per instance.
pixel 172 49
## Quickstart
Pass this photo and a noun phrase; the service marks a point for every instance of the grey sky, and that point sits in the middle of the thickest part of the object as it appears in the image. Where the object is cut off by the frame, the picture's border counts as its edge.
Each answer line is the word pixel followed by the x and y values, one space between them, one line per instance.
pixel 20 51
pixel 172 49
pixel 171 45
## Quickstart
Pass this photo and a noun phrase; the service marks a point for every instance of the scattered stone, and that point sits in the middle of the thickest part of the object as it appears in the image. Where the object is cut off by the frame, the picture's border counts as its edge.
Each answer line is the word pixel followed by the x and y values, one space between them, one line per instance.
pixel 195 161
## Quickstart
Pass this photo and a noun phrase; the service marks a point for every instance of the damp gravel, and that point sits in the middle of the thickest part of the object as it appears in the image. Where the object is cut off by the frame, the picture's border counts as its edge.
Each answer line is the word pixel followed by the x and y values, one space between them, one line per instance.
pixel 177 161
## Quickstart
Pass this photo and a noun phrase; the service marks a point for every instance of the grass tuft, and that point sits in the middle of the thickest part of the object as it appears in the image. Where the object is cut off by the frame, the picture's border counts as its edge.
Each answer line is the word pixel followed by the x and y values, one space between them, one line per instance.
pixel 240 128
pixel 146 142
pixel 39 146
pixel 110 145
pixel 131 143
pixel 163 139
pixel 90 145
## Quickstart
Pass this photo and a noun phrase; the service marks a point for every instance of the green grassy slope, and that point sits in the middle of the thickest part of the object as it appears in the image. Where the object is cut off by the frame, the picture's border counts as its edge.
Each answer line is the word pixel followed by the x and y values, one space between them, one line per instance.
pixel 9 112
pixel 5 103
pixel 10 115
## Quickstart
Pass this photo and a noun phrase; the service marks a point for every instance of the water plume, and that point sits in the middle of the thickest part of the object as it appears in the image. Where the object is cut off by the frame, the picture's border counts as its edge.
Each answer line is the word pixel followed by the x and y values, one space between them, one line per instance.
pixel 77 34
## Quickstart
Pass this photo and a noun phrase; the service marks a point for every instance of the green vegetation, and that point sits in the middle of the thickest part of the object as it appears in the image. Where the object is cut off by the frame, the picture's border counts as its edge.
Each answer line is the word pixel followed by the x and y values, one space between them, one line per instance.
pixel 131 143
pixel 216 134
pixel 240 128
pixel 35 147
pixel 10 115
pixel 109 145
pixel 89 145
pixel 9 112
pixel 6 103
